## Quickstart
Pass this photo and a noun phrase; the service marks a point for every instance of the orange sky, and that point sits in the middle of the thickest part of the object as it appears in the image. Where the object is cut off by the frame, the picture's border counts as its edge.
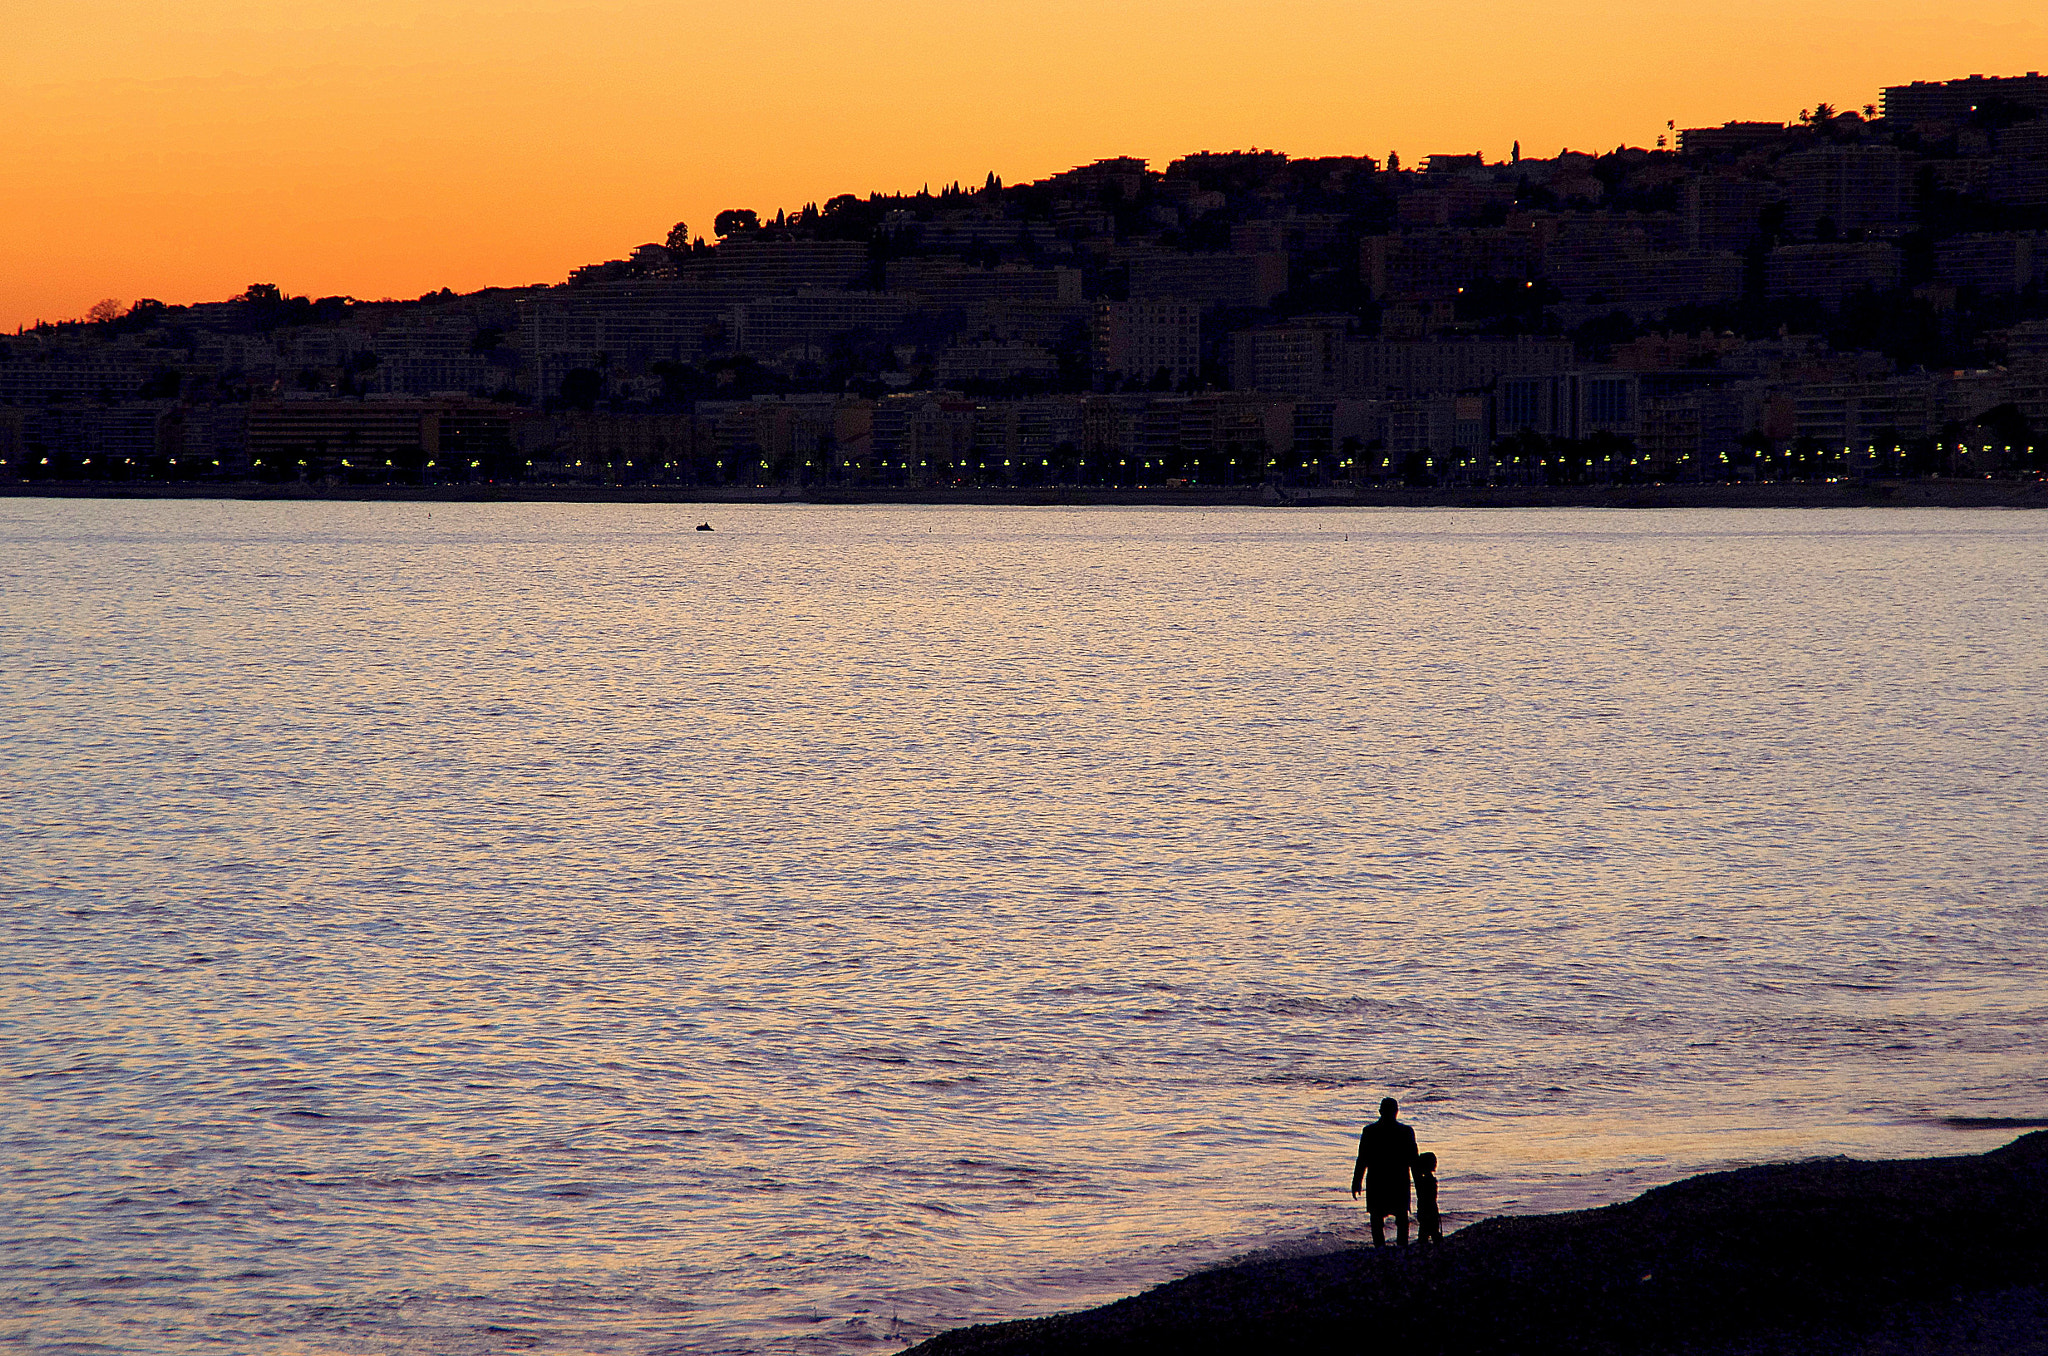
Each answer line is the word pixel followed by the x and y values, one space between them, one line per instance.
pixel 181 149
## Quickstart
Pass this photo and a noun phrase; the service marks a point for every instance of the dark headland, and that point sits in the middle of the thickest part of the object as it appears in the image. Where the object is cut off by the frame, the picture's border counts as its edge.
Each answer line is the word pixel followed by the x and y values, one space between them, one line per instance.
pixel 1940 1255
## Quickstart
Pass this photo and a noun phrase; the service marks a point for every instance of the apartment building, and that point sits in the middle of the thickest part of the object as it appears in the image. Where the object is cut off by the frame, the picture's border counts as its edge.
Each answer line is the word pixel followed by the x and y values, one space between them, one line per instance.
pixel 756 267
pixel 1831 273
pixel 964 232
pixel 96 440
pixel 1730 138
pixel 1035 431
pixel 1396 369
pixel 34 378
pixel 1336 431
pixel 1696 433
pixel 621 328
pixel 918 434
pixel 1139 339
pixel 1440 203
pixel 431 355
pixel 805 324
pixel 2017 174
pixel 1956 100
pixel 1439 429
pixel 1230 428
pixel 1433 265
pixel 769 437
pixel 1291 233
pixel 1722 210
pixel 949 285
pixel 1123 174
pixel 994 360
pixel 1856 188
pixel 2006 261
pixel 1649 284
pixel 608 446
pixel 1873 413
pixel 291 433
pixel 1301 357
pixel 1572 404
pixel 1207 280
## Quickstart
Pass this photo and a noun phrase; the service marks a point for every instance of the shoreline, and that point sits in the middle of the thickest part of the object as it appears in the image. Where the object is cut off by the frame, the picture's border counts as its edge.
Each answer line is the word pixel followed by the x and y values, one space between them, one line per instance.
pixel 2015 494
pixel 1837 1255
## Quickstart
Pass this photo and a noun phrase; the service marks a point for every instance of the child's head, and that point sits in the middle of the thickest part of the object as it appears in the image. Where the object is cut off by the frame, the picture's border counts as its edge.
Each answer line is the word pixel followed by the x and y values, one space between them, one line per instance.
pixel 1426 1162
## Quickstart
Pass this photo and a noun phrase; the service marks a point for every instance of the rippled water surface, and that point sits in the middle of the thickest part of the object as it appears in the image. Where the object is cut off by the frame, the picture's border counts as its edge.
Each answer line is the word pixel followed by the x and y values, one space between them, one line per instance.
pixel 444 928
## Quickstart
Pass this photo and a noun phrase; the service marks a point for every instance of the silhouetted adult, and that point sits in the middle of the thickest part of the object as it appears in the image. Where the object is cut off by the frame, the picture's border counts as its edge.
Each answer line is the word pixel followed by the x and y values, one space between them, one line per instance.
pixel 1386 1155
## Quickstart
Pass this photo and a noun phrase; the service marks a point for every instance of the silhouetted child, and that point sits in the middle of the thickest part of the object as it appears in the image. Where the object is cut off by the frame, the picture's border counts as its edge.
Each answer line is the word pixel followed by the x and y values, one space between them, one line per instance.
pixel 1429 1224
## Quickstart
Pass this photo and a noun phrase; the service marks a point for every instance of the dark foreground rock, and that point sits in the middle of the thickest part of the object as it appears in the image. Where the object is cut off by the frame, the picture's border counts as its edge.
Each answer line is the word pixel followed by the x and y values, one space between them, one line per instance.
pixel 1941 1255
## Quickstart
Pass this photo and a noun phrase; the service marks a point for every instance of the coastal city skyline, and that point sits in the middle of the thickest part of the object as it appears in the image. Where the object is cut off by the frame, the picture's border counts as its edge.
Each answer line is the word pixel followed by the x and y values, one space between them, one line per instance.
pixel 1852 293
pixel 179 153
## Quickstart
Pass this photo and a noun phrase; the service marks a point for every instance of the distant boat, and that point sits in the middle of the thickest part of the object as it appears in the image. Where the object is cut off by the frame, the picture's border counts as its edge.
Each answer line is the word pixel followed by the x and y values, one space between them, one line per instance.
pixel 703 527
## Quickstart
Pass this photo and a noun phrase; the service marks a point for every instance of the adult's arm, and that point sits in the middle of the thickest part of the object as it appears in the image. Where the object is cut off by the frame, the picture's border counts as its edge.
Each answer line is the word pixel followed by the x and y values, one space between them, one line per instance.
pixel 1358 1172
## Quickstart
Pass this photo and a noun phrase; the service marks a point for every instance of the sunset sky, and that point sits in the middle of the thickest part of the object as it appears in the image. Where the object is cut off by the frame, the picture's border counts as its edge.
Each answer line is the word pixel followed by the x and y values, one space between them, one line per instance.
pixel 181 149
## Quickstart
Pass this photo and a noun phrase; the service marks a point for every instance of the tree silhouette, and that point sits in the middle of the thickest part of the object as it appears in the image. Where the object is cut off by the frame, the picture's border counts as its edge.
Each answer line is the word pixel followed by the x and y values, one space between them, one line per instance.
pixel 2007 423
pixel 581 387
pixel 734 220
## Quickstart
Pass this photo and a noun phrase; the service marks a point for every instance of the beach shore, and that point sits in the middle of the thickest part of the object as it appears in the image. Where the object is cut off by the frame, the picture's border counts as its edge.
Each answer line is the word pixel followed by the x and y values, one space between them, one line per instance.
pixel 1942 1255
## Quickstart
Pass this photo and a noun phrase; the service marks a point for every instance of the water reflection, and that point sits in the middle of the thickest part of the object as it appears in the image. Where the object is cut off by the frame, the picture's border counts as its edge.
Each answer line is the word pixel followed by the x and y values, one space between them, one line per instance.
pixel 550 919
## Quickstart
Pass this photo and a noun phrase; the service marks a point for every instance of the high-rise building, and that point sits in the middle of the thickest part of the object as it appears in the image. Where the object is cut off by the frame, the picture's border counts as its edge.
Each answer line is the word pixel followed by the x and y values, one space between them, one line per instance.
pixel 1955 100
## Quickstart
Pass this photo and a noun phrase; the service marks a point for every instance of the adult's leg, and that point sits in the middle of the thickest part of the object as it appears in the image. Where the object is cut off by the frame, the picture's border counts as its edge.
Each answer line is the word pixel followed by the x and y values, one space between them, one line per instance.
pixel 1379 1229
pixel 1401 1224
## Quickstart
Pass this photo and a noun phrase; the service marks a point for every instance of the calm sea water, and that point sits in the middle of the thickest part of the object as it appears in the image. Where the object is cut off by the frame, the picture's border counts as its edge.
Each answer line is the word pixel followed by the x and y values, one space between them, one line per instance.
pixel 488 928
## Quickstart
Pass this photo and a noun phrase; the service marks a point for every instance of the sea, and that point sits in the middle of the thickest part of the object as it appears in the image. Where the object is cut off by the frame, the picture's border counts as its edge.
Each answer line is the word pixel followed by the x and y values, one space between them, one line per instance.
pixel 483 928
